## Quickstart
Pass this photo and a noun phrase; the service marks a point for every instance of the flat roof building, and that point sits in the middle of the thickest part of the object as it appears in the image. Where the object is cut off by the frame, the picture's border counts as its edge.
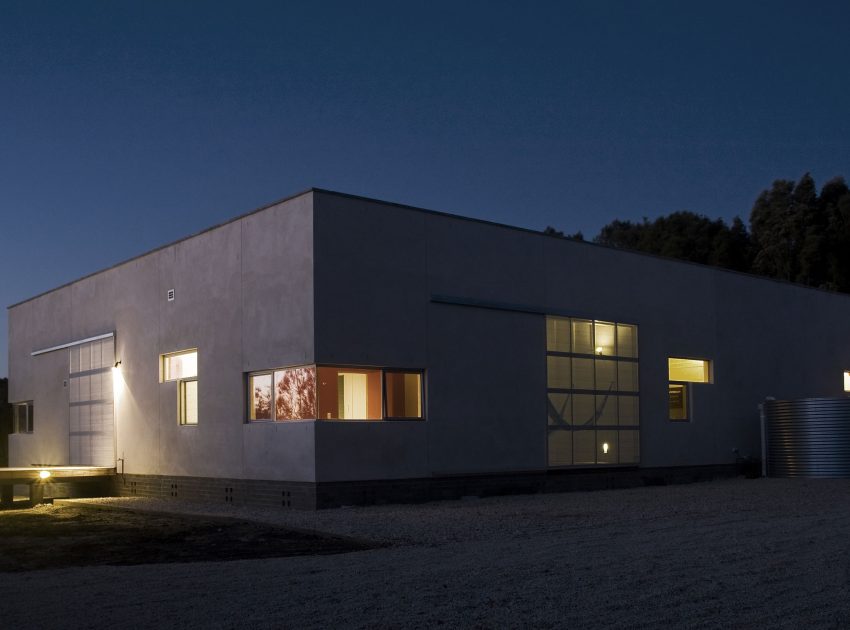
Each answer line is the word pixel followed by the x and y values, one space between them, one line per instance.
pixel 332 349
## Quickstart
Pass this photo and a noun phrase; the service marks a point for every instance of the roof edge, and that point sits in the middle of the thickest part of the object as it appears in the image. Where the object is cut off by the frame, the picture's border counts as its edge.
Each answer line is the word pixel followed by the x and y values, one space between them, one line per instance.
pixel 172 243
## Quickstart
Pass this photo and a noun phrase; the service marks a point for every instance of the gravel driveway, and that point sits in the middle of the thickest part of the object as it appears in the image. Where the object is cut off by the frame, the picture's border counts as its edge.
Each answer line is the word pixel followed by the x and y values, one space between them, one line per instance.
pixel 739 553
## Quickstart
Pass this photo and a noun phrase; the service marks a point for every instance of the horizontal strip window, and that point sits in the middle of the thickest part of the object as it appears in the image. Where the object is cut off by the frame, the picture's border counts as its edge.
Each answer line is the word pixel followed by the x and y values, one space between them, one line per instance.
pixel 70 344
pixel 313 392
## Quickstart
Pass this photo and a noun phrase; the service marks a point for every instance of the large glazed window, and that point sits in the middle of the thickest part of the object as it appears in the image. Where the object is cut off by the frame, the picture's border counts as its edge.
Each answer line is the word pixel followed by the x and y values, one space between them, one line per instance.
pixel 335 393
pixel 592 382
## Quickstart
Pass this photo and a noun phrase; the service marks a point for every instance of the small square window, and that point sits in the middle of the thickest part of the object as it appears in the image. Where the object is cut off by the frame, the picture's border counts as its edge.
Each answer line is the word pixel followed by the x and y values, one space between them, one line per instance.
pixel 847 380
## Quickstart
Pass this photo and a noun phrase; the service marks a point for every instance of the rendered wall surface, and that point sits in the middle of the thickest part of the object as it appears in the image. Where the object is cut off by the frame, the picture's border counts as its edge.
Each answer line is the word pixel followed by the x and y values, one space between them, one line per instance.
pixel 378 266
pixel 243 298
pixel 331 279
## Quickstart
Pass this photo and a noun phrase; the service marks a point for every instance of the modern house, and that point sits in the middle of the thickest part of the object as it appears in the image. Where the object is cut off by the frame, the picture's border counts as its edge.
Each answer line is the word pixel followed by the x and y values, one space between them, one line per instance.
pixel 331 349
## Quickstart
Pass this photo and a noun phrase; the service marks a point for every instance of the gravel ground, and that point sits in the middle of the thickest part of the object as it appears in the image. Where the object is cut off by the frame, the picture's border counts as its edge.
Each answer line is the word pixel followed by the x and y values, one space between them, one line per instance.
pixel 740 553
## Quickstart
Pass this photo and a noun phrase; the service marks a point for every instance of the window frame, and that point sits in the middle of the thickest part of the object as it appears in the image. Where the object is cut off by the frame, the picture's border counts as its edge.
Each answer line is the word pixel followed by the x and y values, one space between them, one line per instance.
pixel 181 402
pixel 316 366
pixel 687 387
pixel 167 355
pixel 29 425
pixel 384 414
pixel 593 356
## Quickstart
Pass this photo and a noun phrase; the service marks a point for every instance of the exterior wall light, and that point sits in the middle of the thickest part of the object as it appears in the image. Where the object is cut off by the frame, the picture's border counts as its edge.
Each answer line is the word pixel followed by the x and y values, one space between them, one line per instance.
pixel 598 349
pixel 605 447
pixel 44 474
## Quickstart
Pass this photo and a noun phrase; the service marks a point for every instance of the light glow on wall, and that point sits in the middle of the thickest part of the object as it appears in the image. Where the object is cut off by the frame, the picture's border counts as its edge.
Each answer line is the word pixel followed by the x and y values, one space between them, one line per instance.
pixel 117 383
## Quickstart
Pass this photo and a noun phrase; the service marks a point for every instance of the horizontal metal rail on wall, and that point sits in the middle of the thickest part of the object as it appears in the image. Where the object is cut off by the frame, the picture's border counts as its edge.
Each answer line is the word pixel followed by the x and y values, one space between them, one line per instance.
pixel 809 437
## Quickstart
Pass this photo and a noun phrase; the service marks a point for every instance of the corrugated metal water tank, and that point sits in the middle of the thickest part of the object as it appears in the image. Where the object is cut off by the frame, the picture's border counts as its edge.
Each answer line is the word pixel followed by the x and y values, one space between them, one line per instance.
pixel 809 437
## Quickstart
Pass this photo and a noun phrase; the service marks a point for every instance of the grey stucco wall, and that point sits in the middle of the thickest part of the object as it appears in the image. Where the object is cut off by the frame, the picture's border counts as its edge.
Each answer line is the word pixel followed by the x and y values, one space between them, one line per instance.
pixel 378 265
pixel 243 298
pixel 338 280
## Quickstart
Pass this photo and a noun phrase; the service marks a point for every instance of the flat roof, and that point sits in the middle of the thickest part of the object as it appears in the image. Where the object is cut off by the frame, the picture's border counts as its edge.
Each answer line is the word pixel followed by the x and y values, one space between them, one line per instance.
pixel 430 212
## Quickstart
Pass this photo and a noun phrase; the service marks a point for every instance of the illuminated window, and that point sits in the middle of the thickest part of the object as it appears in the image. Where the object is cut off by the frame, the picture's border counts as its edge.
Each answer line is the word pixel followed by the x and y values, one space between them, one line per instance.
pixel 592 398
pixel 260 387
pixel 22 417
pixel 847 380
pixel 188 401
pixel 295 393
pixel 179 365
pixel 335 393
pixel 404 394
pixel 689 370
pixel 681 373
pixel 182 367
pixel 349 394
pixel 677 399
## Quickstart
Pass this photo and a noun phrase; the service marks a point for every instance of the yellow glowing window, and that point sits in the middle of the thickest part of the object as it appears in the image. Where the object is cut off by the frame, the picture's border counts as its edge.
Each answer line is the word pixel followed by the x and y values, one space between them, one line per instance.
pixel 689 370
pixel 847 380
pixel 180 365
pixel 188 402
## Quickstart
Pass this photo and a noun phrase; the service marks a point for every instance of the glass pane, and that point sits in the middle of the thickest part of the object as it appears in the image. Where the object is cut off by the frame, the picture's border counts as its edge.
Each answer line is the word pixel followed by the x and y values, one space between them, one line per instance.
pixel 261 397
pixel 584 447
pixel 606 409
pixel 558 372
pixel 678 401
pixel 177 366
pixel 349 394
pixel 690 370
pixel 404 394
pixel 557 334
pixel 295 393
pixel 74 366
pixel 629 447
pixel 629 414
pixel 604 339
pixel 96 355
pixel 85 357
pixel 30 421
pixel 627 340
pixel 108 352
pixel 627 376
pixel 606 447
pixel 190 402
pixel 584 409
pixel 560 448
pixel 559 411
pixel 582 336
pixel 606 375
pixel 583 374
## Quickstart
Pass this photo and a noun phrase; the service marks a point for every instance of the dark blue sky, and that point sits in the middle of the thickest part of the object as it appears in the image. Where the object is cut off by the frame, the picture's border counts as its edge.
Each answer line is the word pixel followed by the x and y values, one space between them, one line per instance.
pixel 126 125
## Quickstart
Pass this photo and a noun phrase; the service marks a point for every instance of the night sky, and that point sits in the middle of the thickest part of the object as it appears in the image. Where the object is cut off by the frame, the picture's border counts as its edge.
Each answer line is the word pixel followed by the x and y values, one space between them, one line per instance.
pixel 126 125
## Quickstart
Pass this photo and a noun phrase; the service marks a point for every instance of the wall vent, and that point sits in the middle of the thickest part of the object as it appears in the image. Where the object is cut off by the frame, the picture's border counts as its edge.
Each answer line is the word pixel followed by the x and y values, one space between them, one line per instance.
pixel 171 295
